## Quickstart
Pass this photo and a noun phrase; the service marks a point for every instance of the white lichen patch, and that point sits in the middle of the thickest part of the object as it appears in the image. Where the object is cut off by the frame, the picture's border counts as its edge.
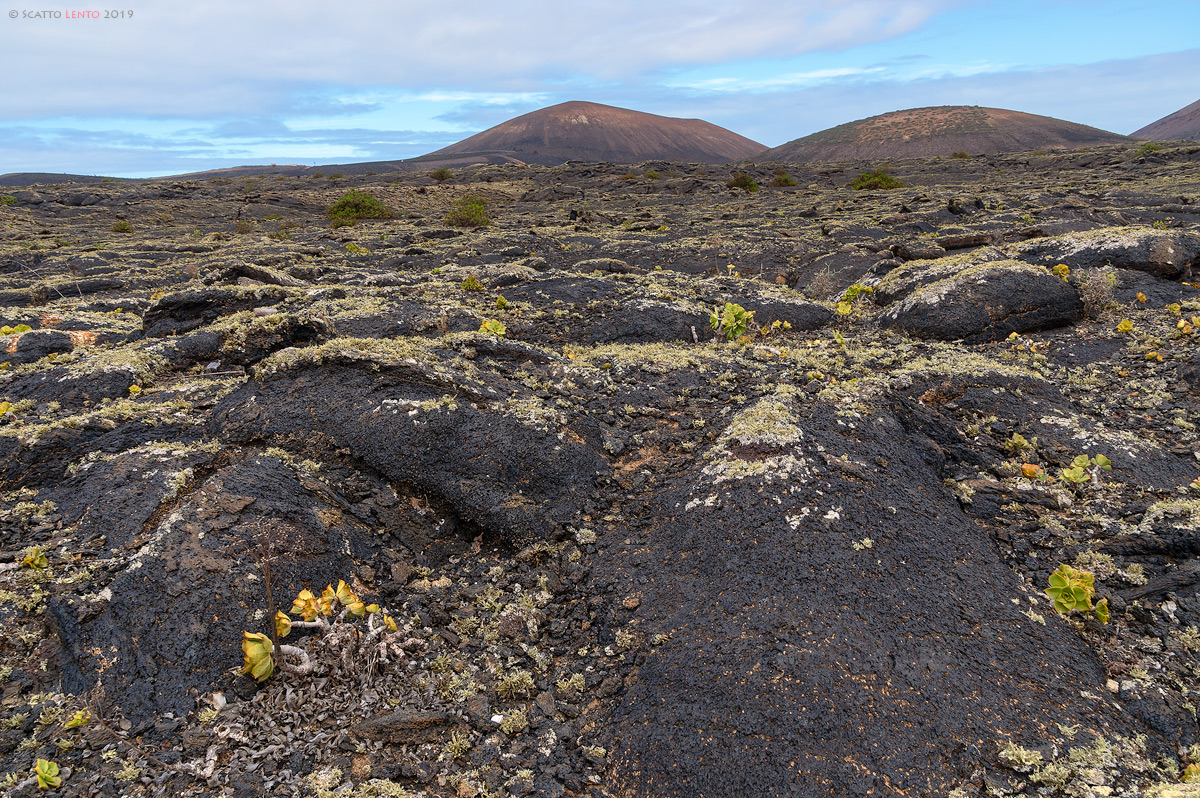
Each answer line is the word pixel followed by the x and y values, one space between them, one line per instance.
pixel 771 431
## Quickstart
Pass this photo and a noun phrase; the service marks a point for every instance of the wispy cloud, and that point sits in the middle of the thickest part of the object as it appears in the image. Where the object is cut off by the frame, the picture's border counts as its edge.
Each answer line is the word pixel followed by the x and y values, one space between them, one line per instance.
pixel 252 58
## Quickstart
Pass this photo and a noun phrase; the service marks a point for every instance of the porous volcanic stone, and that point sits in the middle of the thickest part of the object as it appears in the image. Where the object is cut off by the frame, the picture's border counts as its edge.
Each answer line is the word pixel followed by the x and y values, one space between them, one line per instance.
pixel 986 303
pixel 1171 254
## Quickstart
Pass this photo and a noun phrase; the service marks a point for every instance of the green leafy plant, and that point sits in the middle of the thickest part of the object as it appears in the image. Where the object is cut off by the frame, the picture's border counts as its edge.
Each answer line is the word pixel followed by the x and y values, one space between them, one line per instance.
pixel 1016 442
pixel 1149 147
pixel 1072 590
pixel 782 179
pixel 743 181
pixel 8 199
pixel 122 227
pixel 469 211
pixel 80 718
pixel 355 205
pixel 731 321
pixel 20 328
pixel 493 327
pixel 355 249
pixel 471 284
pixel 1084 468
pixel 852 297
pixel 1061 270
pixel 441 175
pixel 35 558
pixel 652 175
pixel 47 774
pixel 877 180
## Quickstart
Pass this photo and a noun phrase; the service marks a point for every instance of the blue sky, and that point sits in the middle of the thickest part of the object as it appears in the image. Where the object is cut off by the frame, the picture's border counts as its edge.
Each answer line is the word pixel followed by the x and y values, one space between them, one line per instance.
pixel 171 88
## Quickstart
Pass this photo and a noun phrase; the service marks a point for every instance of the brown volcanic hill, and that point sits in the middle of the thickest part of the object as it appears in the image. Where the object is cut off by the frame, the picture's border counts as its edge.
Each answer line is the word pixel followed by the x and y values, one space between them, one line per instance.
pixel 941 130
pixel 583 131
pixel 1183 124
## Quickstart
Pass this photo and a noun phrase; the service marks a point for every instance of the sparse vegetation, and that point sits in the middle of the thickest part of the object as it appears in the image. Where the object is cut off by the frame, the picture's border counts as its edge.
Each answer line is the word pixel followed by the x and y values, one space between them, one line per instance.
pixel 441 175
pixel 469 211
pixel 782 179
pixel 355 205
pixel 743 181
pixel 122 227
pixel 7 199
pixel 731 321
pixel 878 180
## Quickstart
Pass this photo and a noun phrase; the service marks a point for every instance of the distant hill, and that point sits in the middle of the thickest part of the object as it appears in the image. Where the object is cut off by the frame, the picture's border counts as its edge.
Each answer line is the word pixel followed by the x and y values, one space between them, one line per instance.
pixel 583 131
pixel 940 130
pixel 1183 124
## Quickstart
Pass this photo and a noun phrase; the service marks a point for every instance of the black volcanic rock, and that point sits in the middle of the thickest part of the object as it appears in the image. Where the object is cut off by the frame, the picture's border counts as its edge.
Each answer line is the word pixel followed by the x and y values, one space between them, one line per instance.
pixel 985 303
pixel 622 555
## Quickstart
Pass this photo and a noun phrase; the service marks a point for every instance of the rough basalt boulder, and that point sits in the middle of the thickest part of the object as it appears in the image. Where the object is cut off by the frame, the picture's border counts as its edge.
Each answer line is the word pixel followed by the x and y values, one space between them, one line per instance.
pixel 819 590
pixel 986 303
pixel 496 453
pixel 1171 254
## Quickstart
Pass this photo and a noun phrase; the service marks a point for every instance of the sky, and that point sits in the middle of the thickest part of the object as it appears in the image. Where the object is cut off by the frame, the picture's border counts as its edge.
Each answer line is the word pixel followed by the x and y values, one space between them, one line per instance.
pixel 159 88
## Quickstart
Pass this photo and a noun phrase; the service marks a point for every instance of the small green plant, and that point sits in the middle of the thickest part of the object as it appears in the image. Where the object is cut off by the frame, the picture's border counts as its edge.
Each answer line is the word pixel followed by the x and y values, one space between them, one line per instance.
pixel 1016 443
pixel 472 284
pixel 355 249
pixel 731 321
pixel 961 155
pixel 80 718
pixel 469 211
pixel 652 175
pixel 743 181
pixel 878 180
pixel 501 303
pixel 1072 590
pixel 493 327
pixel 8 199
pixel 855 295
pixel 782 179
pixel 1084 468
pixel 1124 326
pixel 1060 270
pixel 122 227
pixel 355 205
pixel 47 774
pixel 441 175
pixel 20 328
pixel 1149 147
pixel 35 559
pixel 243 227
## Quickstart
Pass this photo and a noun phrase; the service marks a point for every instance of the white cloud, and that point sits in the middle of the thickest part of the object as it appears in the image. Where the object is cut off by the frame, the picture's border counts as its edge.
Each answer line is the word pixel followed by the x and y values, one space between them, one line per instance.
pixel 226 56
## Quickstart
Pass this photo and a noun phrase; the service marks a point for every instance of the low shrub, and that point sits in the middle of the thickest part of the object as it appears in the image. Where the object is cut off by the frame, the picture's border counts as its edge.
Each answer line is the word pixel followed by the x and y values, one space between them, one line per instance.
pixel 469 211
pixel 441 175
pixel 878 180
pixel 743 181
pixel 355 205
pixel 122 227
